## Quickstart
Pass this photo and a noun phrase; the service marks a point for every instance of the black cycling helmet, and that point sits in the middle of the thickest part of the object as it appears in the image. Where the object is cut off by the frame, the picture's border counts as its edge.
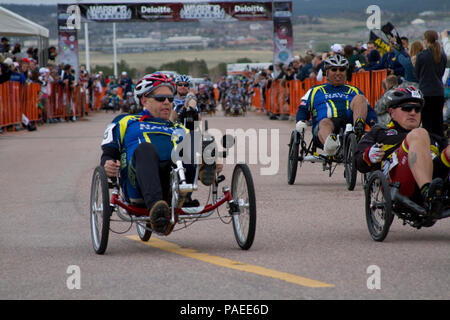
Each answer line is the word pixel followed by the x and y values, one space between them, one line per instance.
pixel 399 96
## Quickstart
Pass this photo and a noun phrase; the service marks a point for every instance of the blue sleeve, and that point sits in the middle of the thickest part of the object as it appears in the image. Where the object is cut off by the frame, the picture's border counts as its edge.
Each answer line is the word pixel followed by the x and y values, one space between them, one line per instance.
pixel 304 73
pixel 384 63
pixel 399 70
pixel 371 115
pixel 303 112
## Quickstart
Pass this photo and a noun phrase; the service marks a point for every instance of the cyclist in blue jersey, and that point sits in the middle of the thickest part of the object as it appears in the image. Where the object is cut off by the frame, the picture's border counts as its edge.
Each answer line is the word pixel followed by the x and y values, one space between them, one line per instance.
pixel 183 82
pixel 334 104
pixel 181 110
pixel 139 148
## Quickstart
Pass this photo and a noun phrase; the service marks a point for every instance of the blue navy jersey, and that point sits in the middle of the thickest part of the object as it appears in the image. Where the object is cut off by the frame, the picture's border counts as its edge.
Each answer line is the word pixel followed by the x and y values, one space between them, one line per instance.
pixel 327 101
pixel 178 103
pixel 234 99
pixel 125 134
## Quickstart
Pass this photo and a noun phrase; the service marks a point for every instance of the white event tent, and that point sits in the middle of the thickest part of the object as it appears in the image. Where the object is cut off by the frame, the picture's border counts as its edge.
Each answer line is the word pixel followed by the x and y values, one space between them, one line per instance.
pixel 12 24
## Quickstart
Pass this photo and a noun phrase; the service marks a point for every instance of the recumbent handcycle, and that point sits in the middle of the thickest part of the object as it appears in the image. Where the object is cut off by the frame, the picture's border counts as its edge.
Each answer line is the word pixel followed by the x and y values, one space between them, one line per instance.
pixel 383 201
pixel 300 151
pixel 108 204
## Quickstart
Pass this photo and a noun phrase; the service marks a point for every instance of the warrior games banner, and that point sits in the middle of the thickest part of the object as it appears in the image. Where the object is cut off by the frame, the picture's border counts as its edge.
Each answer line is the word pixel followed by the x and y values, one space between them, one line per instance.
pixel 283 36
pixel 67 38
pixel 174 11
pixel 69 17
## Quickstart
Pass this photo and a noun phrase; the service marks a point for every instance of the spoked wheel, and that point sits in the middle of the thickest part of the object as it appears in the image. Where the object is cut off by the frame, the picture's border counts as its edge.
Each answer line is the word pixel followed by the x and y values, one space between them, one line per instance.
pixel 379 214
pixel 144 230
pixel 100 210
pixel 243 193
pixel 350 170
pixel 294 146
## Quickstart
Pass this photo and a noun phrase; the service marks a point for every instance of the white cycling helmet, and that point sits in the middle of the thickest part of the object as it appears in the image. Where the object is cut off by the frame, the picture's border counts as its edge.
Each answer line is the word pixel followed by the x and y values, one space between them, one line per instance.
pixel 183 78
pixel 150 82
pixel 336 61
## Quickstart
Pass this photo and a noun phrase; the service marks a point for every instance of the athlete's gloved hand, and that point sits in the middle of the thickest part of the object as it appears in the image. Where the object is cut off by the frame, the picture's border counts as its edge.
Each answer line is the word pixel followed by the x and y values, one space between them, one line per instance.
pixel 376 153
pixel 300 126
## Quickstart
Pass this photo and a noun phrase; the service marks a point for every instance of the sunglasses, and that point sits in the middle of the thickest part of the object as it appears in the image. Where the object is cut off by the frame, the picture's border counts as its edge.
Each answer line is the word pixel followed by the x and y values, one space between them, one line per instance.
pixel 411 107
pixel 161 97
pixel 183 85
pixel 341 69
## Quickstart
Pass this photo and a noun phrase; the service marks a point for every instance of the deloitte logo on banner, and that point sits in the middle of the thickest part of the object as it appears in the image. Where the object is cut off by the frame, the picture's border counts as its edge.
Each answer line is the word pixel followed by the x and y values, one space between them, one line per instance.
pixel 110 12
pixel 155 10
pixel 249 9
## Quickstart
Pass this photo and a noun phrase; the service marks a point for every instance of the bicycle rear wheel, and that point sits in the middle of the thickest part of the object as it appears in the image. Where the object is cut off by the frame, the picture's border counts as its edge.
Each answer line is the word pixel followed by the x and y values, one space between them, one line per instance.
pixel 143 230
pixel 100 210
pixel 350 170
pixel 243 193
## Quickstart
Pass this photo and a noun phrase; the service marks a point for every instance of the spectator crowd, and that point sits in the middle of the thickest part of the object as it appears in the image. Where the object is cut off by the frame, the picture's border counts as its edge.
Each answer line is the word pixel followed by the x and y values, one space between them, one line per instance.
pixel 421 64
pixel 21 66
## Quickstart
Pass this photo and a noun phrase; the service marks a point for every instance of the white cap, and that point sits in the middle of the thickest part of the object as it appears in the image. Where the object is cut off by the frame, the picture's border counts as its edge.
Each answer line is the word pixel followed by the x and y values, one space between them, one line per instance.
pixel 8 61
pixel 336 48
pixel 44 70
pixel 124 73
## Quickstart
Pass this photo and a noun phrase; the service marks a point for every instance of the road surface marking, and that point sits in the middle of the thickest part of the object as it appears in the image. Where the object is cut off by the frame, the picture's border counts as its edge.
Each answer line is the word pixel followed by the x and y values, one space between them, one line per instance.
pixel 236 265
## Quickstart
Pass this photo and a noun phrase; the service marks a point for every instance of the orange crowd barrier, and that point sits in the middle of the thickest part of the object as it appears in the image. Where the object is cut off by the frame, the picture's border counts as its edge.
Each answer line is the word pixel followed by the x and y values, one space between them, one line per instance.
pixel 376 88
pixel 216 94
pixel 256 98
pixel 17 99
pixel 10 104
pixel 283 97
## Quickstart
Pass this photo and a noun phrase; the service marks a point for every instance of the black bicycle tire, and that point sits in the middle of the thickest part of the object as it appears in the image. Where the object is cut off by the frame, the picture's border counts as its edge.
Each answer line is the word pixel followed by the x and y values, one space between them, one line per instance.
pixel 379 236
pixel 350 168
pixel 292 159
pixel 106 212
pixel 147 233
pixel 250 236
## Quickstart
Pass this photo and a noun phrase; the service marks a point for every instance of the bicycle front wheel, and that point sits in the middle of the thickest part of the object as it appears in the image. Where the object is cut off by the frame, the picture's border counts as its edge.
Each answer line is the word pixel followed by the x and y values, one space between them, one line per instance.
pixel 100 210
pixel 243 193
pixel 292 158
pixel 379 213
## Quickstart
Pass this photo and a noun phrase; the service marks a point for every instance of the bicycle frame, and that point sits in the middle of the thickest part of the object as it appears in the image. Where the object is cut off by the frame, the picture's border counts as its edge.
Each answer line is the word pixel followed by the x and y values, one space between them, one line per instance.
pixel 185 213
pixel 178 213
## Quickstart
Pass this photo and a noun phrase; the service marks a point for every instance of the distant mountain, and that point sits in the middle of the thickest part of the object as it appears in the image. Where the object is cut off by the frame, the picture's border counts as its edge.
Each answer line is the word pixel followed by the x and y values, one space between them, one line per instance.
pixel 326 7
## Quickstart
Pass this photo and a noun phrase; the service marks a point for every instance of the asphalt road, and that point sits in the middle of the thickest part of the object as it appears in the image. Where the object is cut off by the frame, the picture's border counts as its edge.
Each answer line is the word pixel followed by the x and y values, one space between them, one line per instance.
pixel 311 239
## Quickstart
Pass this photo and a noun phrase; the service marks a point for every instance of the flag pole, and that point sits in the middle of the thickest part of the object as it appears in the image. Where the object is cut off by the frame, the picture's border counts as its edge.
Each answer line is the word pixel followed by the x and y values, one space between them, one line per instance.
pixel 115 50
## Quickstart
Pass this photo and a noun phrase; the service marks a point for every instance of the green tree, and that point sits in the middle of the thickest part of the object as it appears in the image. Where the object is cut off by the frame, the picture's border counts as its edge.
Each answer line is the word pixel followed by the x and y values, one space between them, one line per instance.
pixel 218 71
pixel 124 66
pixel 322 46
pixel 196 68
pixel 150 69
pixel 244 60
pixel 107 70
